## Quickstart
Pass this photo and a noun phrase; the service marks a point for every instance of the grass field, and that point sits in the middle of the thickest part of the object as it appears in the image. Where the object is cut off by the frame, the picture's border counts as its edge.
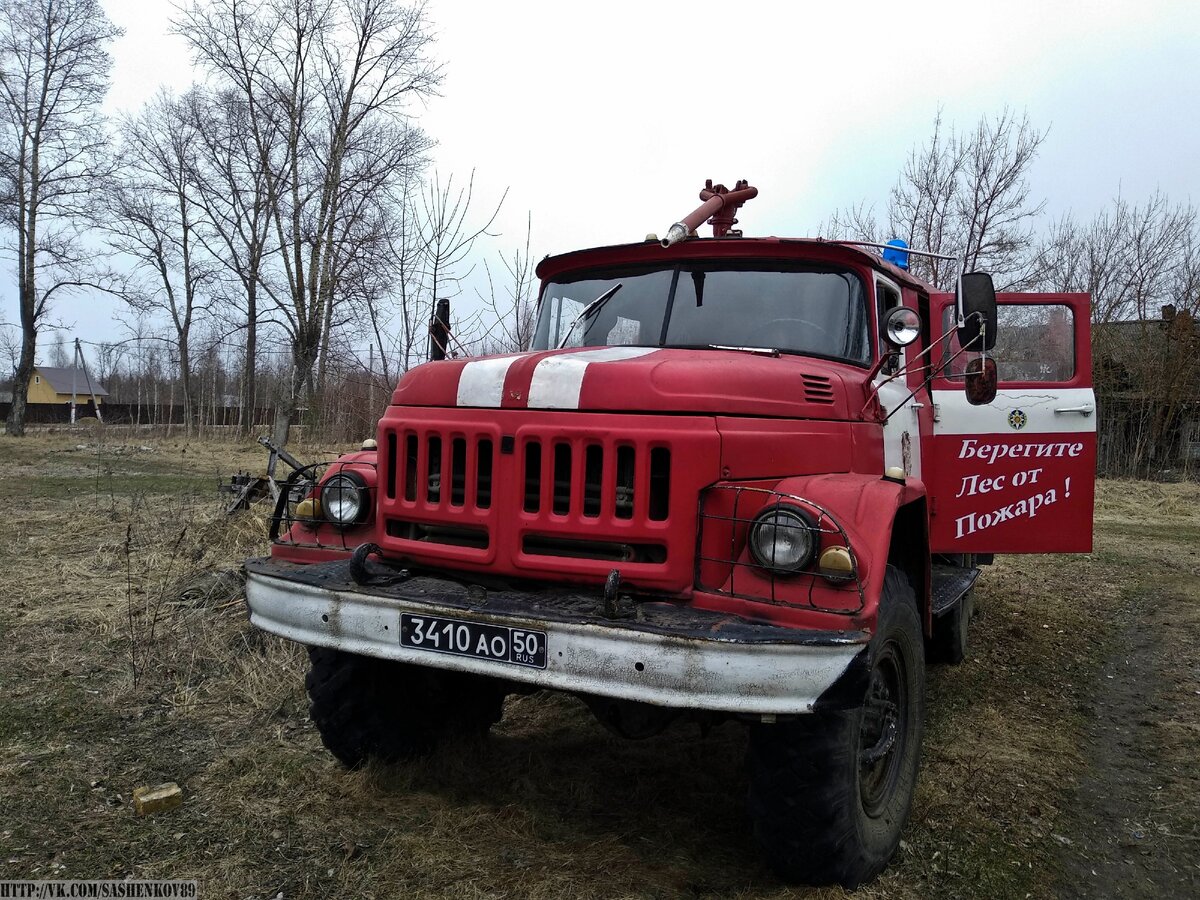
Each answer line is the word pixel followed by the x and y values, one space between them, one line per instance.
pixel 1060 760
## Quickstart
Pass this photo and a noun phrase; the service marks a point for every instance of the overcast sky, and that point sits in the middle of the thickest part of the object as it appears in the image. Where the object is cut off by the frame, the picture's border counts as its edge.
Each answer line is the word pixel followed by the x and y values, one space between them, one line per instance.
pixel 603 120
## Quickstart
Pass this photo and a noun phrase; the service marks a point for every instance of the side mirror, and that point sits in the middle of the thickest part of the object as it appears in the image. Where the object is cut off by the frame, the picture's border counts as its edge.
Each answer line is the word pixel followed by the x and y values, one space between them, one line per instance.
pixel 977 304
pixel 980 384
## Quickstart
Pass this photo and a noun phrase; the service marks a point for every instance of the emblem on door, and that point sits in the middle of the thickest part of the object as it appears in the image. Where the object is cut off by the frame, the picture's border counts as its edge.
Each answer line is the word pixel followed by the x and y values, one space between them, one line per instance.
pixel 1017 419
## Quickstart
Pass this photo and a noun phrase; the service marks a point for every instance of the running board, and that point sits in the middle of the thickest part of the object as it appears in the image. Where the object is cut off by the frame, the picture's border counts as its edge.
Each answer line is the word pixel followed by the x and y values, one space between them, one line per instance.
pixel 950 584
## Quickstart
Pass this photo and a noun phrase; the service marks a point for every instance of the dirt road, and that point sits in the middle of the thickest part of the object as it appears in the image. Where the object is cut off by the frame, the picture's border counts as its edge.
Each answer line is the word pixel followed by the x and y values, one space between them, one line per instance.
pixel 1132 829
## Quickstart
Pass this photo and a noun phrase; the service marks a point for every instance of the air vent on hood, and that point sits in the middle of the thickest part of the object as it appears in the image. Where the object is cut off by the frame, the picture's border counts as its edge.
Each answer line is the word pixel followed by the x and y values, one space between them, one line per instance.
pixel 817 388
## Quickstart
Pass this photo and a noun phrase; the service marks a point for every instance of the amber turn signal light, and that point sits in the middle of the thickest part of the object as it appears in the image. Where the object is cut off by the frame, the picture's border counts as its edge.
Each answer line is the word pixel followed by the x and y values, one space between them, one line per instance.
pixel 836 564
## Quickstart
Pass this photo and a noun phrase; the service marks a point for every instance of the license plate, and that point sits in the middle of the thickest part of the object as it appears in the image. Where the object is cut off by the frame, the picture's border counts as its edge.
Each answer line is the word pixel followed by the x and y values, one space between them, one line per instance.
pixel 519 646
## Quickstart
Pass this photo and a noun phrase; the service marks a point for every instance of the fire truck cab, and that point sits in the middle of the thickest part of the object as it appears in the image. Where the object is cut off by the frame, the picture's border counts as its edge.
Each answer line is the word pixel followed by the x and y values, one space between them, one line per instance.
pixel 733 478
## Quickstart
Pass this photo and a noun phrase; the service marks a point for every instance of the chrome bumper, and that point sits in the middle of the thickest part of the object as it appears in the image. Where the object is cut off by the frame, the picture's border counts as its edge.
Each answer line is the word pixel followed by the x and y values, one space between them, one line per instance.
pixel 685 668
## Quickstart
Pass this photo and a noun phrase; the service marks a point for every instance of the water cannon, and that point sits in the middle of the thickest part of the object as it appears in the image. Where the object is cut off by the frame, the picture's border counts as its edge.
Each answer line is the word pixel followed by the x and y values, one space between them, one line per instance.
pixel 718 208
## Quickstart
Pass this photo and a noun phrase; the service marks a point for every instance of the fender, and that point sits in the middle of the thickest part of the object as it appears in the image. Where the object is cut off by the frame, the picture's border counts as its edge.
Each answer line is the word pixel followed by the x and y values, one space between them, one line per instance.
pixel 315 541
pixel 869 508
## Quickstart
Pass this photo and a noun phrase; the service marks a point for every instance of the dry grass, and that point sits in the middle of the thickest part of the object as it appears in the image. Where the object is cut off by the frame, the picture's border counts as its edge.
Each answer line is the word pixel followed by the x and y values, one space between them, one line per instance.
pixel 112 540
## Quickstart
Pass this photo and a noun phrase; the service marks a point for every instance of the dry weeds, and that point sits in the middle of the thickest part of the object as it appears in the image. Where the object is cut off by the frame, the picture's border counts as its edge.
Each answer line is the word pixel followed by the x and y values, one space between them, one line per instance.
pixel 113 541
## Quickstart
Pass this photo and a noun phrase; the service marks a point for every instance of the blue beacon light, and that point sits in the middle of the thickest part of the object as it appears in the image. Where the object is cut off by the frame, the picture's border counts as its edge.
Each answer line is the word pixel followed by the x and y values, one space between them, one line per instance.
pixel 896 253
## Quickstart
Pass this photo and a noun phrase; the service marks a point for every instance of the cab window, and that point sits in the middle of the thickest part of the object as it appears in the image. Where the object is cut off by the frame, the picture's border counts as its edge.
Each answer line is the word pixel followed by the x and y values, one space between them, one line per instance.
pixel 1035 342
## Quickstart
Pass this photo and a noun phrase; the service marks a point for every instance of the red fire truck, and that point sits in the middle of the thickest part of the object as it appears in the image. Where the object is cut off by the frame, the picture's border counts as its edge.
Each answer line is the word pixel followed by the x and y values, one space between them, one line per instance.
pixel 734 478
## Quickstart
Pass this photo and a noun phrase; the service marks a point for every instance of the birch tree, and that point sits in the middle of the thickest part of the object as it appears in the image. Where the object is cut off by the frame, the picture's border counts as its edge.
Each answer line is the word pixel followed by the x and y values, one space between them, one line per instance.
pixel 54 67
pixel 316 76
pixel 231 185
pixel 154 214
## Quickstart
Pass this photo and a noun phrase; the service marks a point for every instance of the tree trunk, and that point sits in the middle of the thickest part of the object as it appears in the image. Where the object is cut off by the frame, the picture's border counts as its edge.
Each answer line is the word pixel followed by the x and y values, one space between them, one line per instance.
pixel 185 382
pixel 248 370
pixel 27 289
pixel 15 425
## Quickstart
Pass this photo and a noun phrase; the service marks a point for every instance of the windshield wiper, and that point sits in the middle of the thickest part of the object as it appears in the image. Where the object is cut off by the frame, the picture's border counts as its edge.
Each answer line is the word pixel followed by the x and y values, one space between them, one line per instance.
pixel 590 310
pixel 758 351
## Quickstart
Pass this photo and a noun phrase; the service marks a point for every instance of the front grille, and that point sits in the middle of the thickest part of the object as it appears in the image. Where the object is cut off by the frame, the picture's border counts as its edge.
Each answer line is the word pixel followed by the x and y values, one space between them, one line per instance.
pixel 454 535
pixel 544 495
pixel 458 470
pixel 586 478
pixel 616 551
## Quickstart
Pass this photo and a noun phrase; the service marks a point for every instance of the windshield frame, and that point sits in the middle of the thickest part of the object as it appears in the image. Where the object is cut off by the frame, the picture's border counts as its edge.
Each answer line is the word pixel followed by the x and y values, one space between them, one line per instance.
pixel 752 264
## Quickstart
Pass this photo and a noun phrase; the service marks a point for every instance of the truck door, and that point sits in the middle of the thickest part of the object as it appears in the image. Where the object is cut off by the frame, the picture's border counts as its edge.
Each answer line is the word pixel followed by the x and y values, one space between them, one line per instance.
pixel 1016 475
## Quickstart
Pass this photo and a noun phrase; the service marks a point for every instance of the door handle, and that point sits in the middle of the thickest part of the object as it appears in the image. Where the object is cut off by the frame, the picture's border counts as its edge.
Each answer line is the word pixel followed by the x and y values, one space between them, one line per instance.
pixel 1086 410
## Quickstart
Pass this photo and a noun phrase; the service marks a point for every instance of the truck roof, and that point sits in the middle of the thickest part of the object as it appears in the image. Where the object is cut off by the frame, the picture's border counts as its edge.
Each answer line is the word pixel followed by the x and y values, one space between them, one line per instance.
pixel 698 248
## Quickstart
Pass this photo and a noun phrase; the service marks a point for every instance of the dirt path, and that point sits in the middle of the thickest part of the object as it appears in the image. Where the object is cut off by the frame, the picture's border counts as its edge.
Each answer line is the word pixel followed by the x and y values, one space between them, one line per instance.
pixel 1133 830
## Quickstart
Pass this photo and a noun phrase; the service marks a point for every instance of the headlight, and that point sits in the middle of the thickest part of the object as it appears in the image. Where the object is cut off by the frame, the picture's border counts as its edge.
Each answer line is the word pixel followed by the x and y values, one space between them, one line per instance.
pixel 782 539
pixel 344 499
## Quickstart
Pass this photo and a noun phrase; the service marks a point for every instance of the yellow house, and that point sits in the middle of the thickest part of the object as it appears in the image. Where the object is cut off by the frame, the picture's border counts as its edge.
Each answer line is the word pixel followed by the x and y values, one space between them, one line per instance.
pixel 52 384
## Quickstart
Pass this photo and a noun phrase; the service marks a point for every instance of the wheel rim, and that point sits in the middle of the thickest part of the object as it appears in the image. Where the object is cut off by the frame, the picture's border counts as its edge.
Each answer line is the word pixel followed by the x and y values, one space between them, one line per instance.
pixel 883 730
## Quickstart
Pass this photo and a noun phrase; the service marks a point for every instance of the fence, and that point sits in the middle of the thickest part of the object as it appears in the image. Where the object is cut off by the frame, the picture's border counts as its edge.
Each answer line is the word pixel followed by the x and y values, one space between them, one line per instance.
pixel 138 414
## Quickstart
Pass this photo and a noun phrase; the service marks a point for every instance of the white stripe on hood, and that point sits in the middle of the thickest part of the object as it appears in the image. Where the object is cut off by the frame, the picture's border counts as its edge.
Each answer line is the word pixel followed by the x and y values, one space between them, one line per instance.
pixel 558 380
pixel 481 382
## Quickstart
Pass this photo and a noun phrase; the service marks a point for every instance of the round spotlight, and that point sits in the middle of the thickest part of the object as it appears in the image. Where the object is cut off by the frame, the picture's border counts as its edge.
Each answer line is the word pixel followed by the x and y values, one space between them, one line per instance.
pixel 902 326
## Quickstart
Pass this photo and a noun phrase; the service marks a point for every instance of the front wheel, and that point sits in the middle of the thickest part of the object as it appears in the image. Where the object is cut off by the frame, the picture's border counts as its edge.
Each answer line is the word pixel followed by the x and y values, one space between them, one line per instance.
pixel 368 708
pixel 830 792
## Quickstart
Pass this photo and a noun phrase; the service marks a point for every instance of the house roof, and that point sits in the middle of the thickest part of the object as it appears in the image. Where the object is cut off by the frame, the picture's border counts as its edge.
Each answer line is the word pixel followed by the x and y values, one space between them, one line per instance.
pixel 61 377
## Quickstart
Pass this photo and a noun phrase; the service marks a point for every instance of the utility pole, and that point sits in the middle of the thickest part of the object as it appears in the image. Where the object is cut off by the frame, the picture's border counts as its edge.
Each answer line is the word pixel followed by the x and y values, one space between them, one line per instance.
pixel 81 363
pixel 74 369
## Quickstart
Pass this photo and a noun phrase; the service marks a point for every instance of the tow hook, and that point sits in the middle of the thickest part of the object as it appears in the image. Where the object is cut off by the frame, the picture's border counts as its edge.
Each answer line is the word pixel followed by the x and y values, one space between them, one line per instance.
pixel 360 573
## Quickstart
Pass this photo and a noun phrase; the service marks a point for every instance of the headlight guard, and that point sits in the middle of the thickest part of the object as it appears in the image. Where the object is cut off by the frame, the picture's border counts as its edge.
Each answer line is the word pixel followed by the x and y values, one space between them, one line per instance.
pixel 751 546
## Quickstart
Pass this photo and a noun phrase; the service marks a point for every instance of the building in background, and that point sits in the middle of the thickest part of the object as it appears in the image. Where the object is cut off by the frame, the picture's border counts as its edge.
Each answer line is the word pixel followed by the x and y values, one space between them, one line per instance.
pixel 58 384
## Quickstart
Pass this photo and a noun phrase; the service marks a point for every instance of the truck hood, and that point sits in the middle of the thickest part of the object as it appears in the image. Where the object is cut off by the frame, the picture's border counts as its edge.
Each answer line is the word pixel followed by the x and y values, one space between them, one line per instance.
pixel 640 379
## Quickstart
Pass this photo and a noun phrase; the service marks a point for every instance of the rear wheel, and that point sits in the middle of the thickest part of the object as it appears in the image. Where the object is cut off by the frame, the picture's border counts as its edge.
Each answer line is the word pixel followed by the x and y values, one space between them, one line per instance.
pixel 830 792
pixel 367 708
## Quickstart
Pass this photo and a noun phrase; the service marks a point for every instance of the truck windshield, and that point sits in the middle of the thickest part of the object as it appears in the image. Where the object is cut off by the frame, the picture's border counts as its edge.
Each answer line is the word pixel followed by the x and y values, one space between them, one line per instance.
pixel 812 311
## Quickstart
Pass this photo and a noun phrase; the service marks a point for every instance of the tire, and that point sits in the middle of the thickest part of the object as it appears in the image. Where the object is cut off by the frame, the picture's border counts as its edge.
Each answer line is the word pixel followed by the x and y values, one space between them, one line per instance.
pixel 822 812
pixel 367 708
pixel 949 642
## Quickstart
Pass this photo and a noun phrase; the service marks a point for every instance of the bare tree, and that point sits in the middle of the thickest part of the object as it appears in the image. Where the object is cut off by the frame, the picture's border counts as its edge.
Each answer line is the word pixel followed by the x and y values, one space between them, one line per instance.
pixel 54 67
pixel 962 195
pixel 1140 264
pixel 58 354
pixel 446 240
pixel 515 309
pixel 316 76
pixel 923 205
pixel 231 184
pixel 10 350
pixel 153 216
pixel 108 358
pixel 360 260
pixel 1132 258
pixel 995 212
pixel 856 222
